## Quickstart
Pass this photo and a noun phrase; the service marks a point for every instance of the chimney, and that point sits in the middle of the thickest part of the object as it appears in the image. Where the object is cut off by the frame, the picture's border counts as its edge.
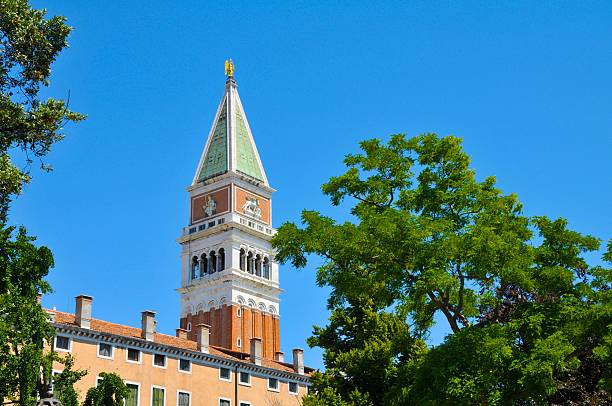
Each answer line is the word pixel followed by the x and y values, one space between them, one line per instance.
pixel 148 325
pixel 298 361
pixel 50 316
pixel 256 350
pixel 181 333
pixel 203 337
pixel 279 356
pixel 82 314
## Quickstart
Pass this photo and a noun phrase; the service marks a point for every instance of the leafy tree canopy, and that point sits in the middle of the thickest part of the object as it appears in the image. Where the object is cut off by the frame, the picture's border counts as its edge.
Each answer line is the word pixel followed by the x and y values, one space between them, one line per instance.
pixel 63 383
pixel 29 44
pixel 23 324
pixel 111 391
pixel 529 317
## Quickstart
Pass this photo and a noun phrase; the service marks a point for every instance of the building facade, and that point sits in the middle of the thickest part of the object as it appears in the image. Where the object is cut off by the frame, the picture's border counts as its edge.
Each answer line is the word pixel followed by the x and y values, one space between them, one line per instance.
pixel 165 370
pixel 227 349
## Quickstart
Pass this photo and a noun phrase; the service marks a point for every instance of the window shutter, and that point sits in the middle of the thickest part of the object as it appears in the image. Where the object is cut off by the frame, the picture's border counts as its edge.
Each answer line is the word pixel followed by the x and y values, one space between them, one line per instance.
pixel 158 397
pixel 132 396
pixel 183 399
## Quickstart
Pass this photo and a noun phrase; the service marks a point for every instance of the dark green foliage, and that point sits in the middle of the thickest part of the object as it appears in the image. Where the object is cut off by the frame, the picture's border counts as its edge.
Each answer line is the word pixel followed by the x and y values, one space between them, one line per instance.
pixel 111 391
pixel 529 317
pixel 29 44
pixel 63 383
pixel 360 338
pixel 23 324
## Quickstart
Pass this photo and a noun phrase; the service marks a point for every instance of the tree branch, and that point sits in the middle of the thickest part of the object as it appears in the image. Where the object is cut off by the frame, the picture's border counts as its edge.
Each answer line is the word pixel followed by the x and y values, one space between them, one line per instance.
pixel 461 287
pixel 449 317
pixel 361 199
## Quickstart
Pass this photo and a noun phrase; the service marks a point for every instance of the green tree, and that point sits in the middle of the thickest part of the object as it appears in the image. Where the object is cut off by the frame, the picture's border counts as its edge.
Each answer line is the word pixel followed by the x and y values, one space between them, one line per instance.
pixel 29 44
pixel 111 391
pixel 361 337
pixel 428 238
pixel 63 383
pixel 23 325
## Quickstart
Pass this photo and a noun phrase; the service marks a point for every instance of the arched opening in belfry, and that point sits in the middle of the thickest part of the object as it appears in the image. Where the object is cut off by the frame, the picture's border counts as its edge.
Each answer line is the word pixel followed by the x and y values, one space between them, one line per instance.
pixel 212 262
pixel 242 260
pixel 195 268
pixel 221 259
pixel 258 265
pixel 203 265
pixel 250 262
pixel 266 268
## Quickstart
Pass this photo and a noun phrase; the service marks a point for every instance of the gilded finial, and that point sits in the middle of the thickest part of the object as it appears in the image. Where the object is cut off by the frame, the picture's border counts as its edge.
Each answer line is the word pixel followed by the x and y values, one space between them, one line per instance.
pixel 229 68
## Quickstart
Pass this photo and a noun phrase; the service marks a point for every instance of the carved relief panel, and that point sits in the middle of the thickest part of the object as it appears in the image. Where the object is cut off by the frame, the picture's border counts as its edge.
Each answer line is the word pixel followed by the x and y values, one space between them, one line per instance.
pixel 210 204
pixel 252 205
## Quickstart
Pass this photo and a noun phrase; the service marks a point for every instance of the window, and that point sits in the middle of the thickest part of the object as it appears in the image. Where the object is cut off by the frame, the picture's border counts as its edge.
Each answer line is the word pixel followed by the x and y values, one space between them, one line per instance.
pixel 273 384
pixel 133 355
pixel 195 268
pixel 62 343
pixel 105 350
pixel 184 365
pixel 266 268
pixel 183 399
pixel 250 263
pixel 159 396
pixel 245 378
pixel 239 342
pixel 242 260
pixel 221 259
pixel 225 402
pixel 245 404
pixel 188 326
pixel 99 380
pixel 293 388
pixel 224 374
pixel 159 360
pixel 53 375
pixel 204 265
pixel 212 261
pixel 239 312
pixel 132 394
pixel 258 265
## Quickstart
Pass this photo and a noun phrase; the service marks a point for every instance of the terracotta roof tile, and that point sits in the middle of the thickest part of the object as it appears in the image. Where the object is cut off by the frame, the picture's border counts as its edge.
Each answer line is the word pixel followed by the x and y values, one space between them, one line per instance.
pixel 171 341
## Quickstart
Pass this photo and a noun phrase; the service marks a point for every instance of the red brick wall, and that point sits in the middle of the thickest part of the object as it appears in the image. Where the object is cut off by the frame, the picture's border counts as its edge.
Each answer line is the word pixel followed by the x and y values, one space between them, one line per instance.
pixel 226 327
pixel 236 327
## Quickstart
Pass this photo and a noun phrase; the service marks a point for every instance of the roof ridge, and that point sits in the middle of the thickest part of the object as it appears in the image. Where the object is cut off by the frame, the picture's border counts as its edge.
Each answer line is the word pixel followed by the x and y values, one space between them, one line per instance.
pixel 188 344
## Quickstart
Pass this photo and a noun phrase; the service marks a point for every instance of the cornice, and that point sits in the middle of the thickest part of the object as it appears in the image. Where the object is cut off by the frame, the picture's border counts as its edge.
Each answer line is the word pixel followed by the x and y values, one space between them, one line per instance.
pixel 178 352
pixel 221 228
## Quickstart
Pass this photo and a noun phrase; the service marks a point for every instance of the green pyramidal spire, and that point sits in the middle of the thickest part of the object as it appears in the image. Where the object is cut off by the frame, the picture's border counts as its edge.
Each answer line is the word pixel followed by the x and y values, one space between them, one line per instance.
pixel 215 158
pixel 230 146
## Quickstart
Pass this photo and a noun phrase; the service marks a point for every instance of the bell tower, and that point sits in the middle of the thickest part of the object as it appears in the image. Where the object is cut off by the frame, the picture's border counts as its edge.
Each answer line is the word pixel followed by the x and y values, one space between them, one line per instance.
pixel 229 279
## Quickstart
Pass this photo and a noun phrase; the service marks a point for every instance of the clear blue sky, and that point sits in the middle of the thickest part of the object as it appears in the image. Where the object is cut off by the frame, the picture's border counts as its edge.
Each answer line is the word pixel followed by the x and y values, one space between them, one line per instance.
pixel 528 85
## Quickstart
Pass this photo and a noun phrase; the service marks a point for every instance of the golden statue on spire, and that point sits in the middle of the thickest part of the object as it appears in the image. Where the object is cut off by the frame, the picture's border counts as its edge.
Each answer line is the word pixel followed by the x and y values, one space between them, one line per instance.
pixel 229 68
